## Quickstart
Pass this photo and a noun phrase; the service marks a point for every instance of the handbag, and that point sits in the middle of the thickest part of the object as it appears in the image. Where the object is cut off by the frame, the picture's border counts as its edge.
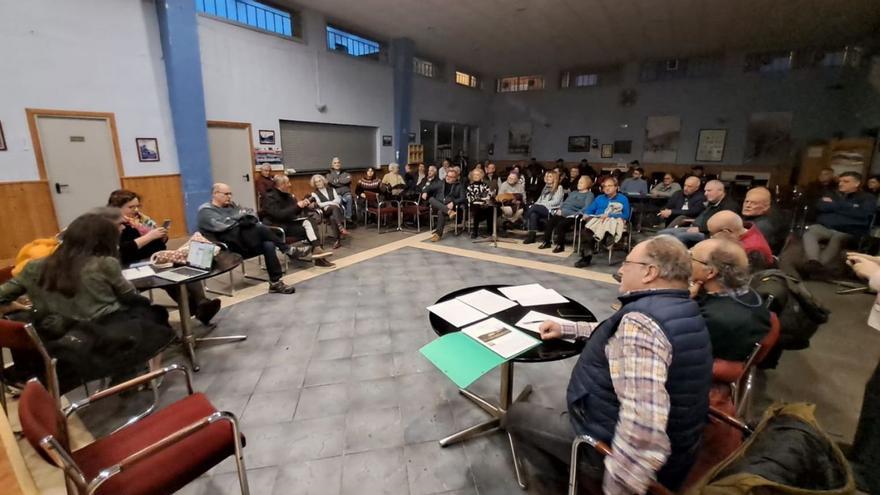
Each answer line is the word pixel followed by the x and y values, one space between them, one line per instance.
pixel 178 256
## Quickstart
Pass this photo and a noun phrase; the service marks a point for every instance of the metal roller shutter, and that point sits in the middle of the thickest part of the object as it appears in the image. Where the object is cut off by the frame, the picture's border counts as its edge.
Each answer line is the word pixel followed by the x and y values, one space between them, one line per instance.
pixel 308 146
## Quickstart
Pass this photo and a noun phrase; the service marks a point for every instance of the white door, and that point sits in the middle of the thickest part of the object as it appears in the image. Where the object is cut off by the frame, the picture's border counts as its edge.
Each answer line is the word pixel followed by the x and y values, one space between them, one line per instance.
pixel 231 161
pixel 80 163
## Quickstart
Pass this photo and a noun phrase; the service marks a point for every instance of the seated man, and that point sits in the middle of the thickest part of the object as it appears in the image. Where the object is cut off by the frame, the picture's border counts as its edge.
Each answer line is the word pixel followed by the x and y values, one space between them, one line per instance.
pixel 684 204
pixel 511 194
pixel 735 314
pixel 728 225
pixel 241 230
pixel 635 184
pixel 263 181
pixel 716 200
pixel 824 185
pixel 641 384
pixel 757 209
pixel 445 196
pixel 279 207
pixel 666 188
pixel 340 181
pixel 842 216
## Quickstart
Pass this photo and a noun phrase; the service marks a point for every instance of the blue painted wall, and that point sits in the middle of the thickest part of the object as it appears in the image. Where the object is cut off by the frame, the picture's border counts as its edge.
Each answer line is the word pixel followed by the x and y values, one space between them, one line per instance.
pixel 402 50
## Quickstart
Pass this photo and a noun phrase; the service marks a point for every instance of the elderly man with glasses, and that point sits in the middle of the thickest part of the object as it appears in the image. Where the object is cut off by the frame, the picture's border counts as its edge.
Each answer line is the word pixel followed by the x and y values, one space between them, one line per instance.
pixel 641 384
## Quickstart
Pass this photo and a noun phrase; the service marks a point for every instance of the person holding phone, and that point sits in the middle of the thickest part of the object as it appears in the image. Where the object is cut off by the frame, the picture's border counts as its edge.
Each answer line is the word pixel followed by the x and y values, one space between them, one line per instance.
pixel 140 237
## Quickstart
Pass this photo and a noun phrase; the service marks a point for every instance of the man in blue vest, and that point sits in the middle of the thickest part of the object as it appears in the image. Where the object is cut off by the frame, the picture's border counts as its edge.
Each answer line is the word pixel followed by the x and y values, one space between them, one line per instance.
pixel 641 384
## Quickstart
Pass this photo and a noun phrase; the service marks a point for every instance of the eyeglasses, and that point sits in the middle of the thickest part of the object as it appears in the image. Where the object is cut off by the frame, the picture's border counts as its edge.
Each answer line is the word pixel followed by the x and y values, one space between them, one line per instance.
pixel 720 231
pixel 699 261
pixel 625 262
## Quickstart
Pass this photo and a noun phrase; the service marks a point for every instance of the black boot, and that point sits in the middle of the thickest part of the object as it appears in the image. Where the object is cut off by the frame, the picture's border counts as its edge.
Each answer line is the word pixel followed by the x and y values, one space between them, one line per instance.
pixel 531 237
pixel 584 262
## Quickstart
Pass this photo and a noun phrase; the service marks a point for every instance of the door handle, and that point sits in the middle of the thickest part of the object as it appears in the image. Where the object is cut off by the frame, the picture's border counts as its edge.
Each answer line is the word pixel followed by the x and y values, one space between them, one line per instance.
pixel 58 187
pixel 247 177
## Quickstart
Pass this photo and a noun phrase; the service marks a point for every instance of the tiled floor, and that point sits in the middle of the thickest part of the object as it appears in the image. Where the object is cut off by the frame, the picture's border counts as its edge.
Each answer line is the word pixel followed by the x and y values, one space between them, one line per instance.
pixel 334 397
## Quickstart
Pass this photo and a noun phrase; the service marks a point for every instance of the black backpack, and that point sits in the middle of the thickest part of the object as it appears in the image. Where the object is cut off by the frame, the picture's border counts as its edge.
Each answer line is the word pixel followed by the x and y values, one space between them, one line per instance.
pixel 800 314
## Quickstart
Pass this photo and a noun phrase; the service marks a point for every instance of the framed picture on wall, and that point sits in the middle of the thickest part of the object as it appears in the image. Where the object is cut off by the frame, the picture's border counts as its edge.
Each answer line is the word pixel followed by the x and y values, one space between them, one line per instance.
pixel 2 138
pixel 267 136
pixel 148 149
pixel 386 140
pixel 578 144
pixel 607 150
pixel 710 145
pixel 623 147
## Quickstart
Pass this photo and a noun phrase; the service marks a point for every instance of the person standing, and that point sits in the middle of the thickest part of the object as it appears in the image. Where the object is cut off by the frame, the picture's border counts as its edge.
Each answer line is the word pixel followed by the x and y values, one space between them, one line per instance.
pixel 340 181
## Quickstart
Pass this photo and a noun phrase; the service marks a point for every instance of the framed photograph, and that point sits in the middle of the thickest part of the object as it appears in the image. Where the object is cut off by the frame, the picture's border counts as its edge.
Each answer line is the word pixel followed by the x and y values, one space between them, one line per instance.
pixel 519 138
pixel 710 145
pixel 661 139
pixel 2 138
pixel 607 150
pixel 386 140
pixel 578 144
pixel 148 149
pixel 267 136
pixel 623 147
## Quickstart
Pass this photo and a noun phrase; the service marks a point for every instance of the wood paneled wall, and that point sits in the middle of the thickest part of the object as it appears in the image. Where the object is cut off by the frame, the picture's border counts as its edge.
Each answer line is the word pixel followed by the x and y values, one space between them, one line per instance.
pixel 161 198
pixel 300 186
pixel 28 214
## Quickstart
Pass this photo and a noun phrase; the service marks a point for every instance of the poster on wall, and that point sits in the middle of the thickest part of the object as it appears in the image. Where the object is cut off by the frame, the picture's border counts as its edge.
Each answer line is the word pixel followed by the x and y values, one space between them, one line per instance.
pixel 2 138
pixel 710 145
pixel 519 138
pixel 768 137
pixel 623 147
pixel 267 136
pixel 269 156
pixel 578 144
pixel 148 149
pixel 661 139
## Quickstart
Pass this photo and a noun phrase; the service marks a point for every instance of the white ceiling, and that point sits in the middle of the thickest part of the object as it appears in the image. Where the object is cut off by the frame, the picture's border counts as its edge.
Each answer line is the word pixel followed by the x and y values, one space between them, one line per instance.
pixel 496 37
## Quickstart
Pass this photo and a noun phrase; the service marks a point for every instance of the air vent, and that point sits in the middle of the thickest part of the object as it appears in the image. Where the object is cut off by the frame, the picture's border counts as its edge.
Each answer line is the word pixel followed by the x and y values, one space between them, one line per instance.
pixel 672 65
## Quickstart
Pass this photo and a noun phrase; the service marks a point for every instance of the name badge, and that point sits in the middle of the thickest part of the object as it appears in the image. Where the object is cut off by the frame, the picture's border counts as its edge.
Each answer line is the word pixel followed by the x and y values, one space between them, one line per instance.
pixel 684 207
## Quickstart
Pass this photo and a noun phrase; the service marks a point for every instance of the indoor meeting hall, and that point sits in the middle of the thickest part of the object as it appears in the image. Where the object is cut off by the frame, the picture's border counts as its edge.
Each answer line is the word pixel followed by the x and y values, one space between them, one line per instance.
pixel 488 247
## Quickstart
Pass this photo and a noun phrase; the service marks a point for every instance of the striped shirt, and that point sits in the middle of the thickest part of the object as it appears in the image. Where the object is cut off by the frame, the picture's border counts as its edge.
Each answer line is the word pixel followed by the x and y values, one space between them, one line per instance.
pixel 639 355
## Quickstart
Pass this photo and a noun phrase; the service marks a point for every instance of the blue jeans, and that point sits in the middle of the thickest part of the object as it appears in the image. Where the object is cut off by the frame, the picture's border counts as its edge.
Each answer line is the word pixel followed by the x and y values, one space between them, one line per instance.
pixel 536 215
pixel 347 202
pixel 681 233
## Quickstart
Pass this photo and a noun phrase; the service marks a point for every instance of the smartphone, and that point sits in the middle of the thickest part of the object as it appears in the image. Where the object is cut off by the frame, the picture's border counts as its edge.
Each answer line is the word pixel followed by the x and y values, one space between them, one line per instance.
pixel 166 223
pixel 570 314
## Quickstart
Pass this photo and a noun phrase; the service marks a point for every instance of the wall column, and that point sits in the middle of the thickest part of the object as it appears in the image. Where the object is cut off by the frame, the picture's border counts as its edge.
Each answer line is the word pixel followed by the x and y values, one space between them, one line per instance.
pixel 402 51
pixel 178 31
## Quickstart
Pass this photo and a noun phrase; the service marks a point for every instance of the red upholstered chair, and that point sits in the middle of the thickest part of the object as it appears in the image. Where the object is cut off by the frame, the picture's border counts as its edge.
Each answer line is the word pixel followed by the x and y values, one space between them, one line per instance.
pixel 14 336
pixel 380 209
pixel 157 455
pixel 414 209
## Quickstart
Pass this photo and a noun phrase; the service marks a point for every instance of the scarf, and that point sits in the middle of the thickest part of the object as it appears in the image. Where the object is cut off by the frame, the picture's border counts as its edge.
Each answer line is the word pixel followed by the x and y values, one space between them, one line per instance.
pixel 142 223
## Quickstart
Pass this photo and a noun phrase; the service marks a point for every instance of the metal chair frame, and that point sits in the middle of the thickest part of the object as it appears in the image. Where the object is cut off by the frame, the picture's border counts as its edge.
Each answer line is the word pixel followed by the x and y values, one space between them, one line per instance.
pixel 627 234
pixel 57 450
pixel 379 204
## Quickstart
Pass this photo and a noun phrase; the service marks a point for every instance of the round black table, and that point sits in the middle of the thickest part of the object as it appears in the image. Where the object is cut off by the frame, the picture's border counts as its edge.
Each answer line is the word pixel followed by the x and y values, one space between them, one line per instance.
pixel 551 350
pixel 223 263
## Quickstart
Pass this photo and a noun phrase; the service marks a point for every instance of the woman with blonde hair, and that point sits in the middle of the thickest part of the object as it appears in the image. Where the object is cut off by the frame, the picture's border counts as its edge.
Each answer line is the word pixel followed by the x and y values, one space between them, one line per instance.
pixel 393 184
pixel 331 205
pixel 548 202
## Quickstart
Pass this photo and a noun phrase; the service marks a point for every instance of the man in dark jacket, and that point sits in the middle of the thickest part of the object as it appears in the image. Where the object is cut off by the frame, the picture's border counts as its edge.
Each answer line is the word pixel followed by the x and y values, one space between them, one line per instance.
pixel 684 204
pixel 842 216
pixel 716 200
pixel 340 181
pixel 734 313
pixel 534 180
pixel 240 229
pixel 758 209
pixel 281 209
pixel 445 196
pixel 641 384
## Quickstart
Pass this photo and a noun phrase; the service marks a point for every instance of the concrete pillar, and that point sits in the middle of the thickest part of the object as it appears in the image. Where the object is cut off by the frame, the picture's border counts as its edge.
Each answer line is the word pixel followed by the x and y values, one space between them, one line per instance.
pixel 402 51
pixel 178 31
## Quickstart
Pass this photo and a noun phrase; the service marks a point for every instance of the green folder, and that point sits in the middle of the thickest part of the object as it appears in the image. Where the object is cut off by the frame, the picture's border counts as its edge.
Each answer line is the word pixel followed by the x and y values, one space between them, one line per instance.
pixel 461 358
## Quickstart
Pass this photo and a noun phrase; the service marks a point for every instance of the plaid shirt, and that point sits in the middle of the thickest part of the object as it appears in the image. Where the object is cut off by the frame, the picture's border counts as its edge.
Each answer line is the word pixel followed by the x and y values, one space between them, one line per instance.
pixel 639 355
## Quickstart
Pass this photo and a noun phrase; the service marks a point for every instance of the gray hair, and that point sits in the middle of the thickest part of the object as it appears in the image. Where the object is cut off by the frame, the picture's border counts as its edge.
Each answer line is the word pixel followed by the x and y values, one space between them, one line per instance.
pixel 729 260
pixel 316 177
pixel 670 256
pixel 280 179
pixel 111 213
pixel 394 165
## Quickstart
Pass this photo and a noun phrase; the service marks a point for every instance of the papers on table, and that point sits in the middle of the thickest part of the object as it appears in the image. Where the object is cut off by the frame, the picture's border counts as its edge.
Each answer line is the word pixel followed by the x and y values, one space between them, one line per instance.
pixel 501 338
pixel 533 295
pixel 456 312
pixel 533 319
pixel 486 302
pixel 138 272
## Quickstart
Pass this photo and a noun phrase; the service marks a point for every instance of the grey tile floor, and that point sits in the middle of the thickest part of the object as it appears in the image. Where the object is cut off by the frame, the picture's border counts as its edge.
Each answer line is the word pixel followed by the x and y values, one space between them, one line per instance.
pixel 334 397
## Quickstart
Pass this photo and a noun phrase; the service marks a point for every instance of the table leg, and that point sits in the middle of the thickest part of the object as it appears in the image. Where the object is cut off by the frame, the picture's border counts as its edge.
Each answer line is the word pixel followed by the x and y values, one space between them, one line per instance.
pixel 186 336
pixel 471 432
pixel 481 402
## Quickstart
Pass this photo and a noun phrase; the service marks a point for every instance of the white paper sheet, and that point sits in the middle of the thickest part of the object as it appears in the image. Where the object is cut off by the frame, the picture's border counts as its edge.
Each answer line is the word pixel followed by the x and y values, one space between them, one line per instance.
pixel 533 295
pixel 139 272
pixel 456 312
pixel 501 338
pixel 486 302
pixel 533 319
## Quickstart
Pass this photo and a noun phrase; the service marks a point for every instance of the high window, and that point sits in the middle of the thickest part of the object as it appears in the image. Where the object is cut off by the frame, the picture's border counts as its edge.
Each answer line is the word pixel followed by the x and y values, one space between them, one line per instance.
pixel 250 13
pixel 424 67
pixel 466 79
pixel 572 79
pixel 352 44
pixel 520 83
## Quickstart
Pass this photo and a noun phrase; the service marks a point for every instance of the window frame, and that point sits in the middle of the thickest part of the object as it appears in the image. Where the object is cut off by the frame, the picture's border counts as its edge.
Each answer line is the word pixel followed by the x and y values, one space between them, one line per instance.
pixel 377 56
pixel 435 67
pixel 475 81
pixel 295 21
pixel 520 80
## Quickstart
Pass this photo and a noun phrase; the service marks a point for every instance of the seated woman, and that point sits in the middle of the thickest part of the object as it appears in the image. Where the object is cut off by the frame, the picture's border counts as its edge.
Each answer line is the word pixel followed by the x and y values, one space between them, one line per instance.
pixel 607 216
pixel 331 205
pixel 548 201
pixel 478 196
pixel 141 237
pixel 563 219
pixel 393 184
pixel 89 316
pixel 511 193
pixel 280 208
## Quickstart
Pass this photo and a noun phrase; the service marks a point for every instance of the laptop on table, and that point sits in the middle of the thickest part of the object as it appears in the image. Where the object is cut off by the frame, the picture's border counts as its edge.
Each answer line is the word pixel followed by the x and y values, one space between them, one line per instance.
pixel 198 263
